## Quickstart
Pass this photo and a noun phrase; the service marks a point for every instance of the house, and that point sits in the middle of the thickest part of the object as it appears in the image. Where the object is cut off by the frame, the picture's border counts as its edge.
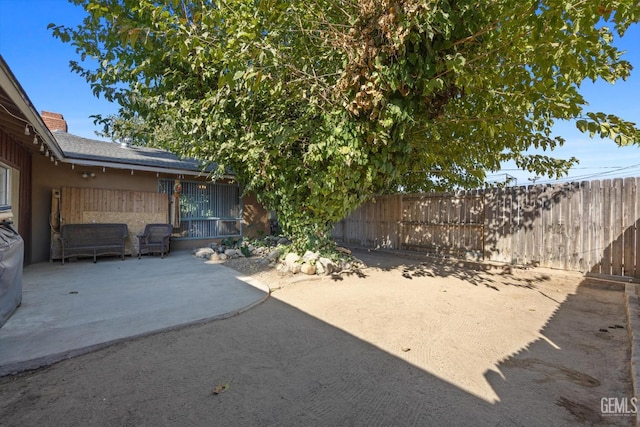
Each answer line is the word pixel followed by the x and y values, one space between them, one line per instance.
pixel 50 177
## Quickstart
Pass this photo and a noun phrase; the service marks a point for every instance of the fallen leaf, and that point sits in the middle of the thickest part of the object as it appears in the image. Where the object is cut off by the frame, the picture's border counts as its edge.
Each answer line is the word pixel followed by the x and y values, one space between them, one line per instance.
pixel 220 388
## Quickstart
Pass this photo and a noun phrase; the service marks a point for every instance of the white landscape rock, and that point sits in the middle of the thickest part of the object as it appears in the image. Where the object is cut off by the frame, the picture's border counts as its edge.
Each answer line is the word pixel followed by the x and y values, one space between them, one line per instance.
pixel 310 256
pixel 326 266
pixel 308 268
pixel 203 252
pixel 291 261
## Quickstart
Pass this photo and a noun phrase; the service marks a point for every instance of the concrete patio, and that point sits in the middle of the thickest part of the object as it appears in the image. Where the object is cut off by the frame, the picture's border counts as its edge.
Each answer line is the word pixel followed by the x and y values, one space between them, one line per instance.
pixel 81 306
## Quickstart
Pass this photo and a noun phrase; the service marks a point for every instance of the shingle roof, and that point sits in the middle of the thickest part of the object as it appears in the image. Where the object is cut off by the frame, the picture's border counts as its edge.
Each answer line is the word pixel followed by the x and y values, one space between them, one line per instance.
pixel 76 147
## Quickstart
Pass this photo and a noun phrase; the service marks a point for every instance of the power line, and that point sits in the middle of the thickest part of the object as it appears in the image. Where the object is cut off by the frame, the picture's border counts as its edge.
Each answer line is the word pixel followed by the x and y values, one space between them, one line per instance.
pixel 590 176
pixel 573 168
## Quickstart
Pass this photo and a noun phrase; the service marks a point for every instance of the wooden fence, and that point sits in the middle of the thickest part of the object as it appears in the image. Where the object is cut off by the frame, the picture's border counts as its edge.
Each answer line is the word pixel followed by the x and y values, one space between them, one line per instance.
pixel 590 226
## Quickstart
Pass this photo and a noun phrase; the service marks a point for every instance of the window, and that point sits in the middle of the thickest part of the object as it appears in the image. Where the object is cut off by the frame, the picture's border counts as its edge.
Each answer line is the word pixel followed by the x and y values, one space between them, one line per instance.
pixel 5 185
pixel 207 209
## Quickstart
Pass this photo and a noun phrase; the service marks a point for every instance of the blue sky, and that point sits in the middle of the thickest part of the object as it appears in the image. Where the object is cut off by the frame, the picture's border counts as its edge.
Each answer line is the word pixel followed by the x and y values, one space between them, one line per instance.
pixel 41 65
pixel 41 62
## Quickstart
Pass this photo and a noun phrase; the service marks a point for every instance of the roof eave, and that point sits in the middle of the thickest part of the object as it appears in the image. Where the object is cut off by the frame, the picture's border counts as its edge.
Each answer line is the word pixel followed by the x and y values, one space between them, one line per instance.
pixel 133 167
pixel 20 99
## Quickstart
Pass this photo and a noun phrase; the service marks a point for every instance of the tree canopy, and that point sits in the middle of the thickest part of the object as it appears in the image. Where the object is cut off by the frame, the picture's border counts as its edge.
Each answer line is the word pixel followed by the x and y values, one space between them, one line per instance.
pixel 318 105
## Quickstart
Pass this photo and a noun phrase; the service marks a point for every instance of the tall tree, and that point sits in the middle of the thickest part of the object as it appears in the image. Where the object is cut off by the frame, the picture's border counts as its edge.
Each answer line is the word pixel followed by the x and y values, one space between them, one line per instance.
pixel 317 106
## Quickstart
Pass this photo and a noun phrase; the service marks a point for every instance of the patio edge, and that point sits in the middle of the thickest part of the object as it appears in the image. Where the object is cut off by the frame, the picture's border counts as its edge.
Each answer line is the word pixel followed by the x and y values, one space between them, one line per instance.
pixel 13 368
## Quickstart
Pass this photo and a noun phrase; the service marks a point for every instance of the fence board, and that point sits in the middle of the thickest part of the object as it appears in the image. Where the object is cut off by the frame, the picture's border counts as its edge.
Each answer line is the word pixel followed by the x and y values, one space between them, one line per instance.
pixel 636 246
pixel 616 227
pixel 506 223
pixel 529 216
pixel 597 238
pixel 490 229
pixel 563 197
pixel 573 226
pixel 546 201
pixel 629 199
pixel 517 240
pixel 584 254
pixel 606 226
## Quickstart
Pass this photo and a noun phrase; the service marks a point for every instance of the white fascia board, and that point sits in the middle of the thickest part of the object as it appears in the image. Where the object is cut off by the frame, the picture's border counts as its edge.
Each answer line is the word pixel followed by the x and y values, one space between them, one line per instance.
pixel 125 166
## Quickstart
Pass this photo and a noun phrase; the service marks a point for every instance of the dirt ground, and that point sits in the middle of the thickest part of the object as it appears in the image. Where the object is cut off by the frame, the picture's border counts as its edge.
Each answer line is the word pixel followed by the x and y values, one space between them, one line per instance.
pixel 405 341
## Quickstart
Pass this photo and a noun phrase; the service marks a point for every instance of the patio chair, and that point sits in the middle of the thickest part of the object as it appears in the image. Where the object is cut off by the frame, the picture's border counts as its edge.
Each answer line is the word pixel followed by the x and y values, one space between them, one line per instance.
pixel 155 238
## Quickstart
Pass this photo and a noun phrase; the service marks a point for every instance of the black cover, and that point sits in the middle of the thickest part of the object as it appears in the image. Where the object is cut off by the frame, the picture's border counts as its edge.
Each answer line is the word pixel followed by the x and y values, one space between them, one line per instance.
pixel 11 259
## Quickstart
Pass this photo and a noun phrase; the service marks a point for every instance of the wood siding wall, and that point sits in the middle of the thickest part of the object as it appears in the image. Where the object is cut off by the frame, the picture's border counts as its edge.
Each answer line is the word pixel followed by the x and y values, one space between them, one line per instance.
pixel 97 205
pixel 591 226
pixel 75 203
pixel 14 155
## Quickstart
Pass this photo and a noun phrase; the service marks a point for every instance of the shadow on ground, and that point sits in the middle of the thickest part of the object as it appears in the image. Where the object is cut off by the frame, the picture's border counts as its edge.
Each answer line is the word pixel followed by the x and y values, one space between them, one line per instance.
pixel 277 365
pixel 476 273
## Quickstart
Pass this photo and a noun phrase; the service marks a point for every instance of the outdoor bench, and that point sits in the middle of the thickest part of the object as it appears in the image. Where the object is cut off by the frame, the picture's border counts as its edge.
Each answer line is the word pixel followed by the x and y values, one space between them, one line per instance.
pixel 93 240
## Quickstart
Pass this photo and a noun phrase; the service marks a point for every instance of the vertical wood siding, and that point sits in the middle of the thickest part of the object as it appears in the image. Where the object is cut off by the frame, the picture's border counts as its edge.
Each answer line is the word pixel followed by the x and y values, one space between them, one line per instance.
pixel 136 208
pixel 97 205
pixel 14 155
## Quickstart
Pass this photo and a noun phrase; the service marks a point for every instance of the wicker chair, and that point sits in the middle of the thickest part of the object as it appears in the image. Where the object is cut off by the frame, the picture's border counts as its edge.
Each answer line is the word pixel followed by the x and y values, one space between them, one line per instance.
pixel 155 238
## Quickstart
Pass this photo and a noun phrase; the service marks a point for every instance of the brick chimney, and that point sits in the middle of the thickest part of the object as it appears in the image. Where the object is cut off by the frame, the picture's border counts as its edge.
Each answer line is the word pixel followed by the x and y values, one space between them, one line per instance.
pixel 54 121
